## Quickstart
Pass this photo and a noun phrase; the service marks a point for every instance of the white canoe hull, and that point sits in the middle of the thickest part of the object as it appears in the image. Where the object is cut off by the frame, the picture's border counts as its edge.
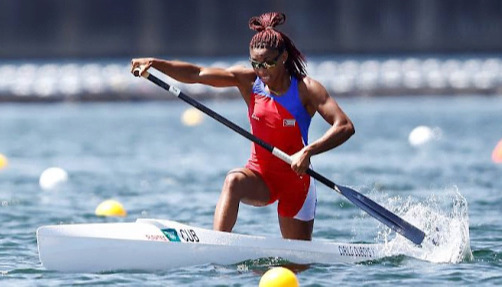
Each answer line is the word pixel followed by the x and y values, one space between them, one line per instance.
pixel 150 244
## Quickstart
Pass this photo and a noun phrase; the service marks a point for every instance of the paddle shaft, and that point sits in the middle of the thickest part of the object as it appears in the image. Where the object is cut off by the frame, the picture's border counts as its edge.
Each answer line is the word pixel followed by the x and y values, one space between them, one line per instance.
pixel 372 208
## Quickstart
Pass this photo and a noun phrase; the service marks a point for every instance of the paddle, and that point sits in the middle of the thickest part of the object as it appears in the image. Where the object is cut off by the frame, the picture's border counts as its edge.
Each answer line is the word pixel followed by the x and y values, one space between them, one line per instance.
pixel 372 208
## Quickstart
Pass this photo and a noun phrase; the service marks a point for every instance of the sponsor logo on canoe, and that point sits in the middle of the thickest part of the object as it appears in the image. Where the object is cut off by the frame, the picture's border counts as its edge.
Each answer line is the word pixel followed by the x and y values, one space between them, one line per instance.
pixel 356 251
pixel 171 234
pixel 189 235
pixel 288 122
pixel 155 237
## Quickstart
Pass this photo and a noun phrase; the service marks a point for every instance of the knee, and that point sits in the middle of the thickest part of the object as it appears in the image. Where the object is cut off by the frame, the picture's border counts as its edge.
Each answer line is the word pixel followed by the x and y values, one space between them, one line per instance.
pixel 234 182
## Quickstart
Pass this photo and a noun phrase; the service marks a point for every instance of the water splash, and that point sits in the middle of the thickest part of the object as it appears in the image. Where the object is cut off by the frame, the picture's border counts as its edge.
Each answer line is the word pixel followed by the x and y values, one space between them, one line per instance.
pixel 445 221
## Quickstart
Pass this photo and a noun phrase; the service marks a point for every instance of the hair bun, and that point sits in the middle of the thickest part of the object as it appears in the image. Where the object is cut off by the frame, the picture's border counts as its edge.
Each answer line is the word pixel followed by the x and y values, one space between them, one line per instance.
pixel 266 21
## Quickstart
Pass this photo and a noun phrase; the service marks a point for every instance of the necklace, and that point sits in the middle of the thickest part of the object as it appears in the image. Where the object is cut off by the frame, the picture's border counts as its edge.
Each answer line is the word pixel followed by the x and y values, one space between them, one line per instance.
pixel 273 91
pixel 278 93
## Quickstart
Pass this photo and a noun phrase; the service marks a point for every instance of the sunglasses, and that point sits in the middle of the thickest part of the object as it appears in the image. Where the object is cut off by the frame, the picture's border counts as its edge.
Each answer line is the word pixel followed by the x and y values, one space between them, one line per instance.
pixel 266 64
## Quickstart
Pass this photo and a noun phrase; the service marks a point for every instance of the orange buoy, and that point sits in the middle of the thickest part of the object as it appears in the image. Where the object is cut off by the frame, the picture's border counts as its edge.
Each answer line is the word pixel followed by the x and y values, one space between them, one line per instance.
pixel 497 153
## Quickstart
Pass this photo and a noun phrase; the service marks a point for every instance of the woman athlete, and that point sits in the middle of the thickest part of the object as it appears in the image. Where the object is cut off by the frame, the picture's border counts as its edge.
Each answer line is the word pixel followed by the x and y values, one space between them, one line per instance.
pixel 281 101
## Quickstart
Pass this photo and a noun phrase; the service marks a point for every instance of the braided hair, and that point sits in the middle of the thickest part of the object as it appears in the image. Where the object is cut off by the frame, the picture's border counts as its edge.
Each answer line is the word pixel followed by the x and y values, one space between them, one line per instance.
pixel 268 37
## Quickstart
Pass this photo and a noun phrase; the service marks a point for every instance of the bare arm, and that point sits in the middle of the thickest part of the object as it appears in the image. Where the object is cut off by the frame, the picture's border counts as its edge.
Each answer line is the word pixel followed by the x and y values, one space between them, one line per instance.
pixel 184 72
pixel 341 126
pixel 318 100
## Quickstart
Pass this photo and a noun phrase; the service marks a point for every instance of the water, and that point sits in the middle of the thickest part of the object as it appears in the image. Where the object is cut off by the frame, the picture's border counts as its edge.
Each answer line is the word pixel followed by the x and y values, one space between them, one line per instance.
pixel 143 156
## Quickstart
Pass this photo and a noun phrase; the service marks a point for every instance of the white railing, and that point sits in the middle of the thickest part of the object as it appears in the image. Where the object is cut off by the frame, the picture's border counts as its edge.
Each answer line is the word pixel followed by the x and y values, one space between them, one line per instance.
pixel 111 80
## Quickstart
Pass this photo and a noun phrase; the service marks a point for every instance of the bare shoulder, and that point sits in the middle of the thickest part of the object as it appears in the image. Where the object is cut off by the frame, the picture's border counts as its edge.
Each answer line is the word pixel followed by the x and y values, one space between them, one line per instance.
pixel 245 78
pixel 242 72
pixel 312 87
pixel 312 94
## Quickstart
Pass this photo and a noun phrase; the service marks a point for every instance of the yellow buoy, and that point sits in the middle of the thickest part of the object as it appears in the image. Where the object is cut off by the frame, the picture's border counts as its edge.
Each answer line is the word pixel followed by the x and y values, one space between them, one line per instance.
pixel 110 207
pixel 279 277
pixel 3 161
pixel 497 153
pixel 192 117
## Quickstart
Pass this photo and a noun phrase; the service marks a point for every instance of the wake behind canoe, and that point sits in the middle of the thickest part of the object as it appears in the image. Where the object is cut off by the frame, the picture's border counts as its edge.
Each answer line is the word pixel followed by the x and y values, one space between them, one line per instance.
pixel 151 244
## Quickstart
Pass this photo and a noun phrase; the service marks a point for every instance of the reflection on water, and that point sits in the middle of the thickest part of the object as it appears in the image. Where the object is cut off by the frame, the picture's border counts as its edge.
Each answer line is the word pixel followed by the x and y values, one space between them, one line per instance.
pixel 111 80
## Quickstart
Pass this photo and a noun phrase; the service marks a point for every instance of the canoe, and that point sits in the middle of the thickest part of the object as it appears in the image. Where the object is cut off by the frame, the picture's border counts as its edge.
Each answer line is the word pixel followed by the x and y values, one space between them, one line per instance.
pixel 152 244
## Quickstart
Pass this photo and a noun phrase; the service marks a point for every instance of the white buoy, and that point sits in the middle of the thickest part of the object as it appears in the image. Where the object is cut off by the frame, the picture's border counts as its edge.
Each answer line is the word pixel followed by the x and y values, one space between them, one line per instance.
pixel 192 117
pixel 52 177
pixel 422 135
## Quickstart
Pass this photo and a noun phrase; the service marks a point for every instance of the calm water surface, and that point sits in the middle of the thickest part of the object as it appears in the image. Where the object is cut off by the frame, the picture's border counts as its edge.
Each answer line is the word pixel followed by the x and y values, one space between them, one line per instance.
pixel 143 156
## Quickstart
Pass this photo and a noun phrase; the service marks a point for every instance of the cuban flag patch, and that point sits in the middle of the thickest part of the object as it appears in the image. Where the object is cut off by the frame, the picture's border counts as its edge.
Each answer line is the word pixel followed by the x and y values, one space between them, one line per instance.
pixel 288 122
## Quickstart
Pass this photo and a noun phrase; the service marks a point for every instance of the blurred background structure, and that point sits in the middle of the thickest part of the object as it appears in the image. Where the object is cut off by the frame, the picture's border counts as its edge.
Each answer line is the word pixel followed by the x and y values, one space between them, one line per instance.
pixel 55 50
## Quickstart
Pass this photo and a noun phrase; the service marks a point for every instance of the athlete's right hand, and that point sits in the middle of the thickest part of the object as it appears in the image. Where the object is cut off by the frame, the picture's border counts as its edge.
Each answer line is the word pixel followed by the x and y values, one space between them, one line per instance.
pixel 300 161
pixel 142 63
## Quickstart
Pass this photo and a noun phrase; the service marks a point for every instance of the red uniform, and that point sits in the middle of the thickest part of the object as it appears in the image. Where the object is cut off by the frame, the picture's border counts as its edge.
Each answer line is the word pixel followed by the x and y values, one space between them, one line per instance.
pixel 283 122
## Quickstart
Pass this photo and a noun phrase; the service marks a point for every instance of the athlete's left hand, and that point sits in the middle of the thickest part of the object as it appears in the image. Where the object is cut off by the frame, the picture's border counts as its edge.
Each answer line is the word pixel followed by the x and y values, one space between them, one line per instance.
pixel 301 161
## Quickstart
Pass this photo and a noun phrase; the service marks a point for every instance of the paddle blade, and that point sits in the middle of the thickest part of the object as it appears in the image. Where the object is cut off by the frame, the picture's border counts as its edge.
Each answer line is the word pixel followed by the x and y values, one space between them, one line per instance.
pixel 383 215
